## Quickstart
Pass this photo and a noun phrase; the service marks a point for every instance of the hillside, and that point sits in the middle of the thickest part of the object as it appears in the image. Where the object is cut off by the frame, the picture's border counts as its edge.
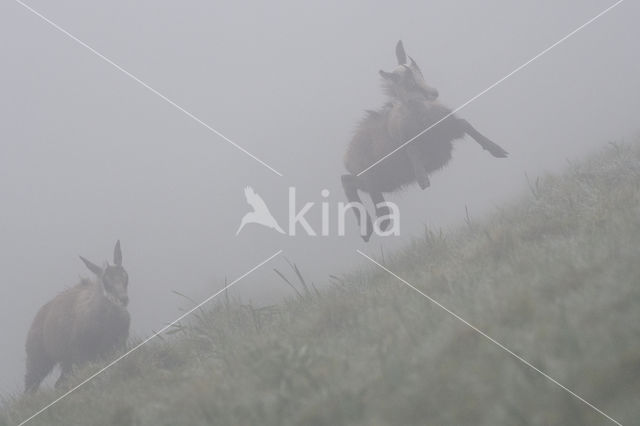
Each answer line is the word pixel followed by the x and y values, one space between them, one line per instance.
pixel 555 277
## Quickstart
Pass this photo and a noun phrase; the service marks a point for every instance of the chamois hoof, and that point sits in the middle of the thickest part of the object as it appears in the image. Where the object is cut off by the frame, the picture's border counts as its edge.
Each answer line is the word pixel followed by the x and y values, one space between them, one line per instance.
pixel 423 182
pixel 384 225
pixel 366 236
pixel 495 149
pixel 498 152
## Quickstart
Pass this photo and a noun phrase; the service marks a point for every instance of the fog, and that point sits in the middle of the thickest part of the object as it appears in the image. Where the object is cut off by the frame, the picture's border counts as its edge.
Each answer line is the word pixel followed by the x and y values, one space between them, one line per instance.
pixel 89 156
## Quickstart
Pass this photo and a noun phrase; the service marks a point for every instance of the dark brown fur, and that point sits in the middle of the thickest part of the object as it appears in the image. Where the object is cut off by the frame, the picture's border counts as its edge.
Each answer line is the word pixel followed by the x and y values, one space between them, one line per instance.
pixel 81 324
pixel 411 109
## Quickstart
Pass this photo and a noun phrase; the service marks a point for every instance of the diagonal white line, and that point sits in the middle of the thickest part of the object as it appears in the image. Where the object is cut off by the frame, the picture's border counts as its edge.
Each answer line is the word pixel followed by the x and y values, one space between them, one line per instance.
pixel 145 85
pixel 492 340
pixel 493 85
pixel 145 341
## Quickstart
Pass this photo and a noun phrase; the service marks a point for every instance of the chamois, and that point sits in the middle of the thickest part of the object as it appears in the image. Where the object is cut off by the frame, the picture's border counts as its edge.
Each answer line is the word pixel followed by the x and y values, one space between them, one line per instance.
pixel 81 324
pixel 411 109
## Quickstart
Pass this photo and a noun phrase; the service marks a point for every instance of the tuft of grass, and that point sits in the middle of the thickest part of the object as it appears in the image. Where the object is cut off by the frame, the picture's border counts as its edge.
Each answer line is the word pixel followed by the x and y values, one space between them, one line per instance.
pixel 306 291
pixel 554 276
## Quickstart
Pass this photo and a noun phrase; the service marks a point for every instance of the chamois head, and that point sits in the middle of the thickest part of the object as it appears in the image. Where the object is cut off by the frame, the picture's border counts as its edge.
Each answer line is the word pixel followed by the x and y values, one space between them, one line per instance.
pixel 113 278
pixel 406 82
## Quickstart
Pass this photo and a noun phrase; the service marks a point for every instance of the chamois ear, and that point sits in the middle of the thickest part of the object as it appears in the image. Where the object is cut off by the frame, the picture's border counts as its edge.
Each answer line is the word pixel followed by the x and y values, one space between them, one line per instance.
pixel 117 254
pixel 400 54
pixel 389 75
pixel 415 66
pixel 92 266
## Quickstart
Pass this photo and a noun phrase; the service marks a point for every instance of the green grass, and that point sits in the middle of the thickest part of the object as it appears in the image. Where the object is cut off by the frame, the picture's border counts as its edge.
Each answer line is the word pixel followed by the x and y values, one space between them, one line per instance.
pixel 555 277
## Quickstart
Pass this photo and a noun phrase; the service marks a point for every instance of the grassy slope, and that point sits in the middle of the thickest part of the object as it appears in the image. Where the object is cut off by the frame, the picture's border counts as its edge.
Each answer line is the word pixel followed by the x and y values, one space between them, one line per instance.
pixel 555 277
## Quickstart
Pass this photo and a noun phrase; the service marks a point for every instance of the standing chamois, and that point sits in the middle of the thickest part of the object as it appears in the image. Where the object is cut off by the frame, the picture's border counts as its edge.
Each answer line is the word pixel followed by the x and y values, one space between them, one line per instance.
pixel 81 324
pixel 412 108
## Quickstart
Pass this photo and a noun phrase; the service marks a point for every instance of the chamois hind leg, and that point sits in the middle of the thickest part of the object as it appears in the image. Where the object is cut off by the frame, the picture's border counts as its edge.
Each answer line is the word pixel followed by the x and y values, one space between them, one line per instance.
pixel 415 156
pixel 39 365
pixel 381 210
pixel 350 184
pixel 486 143
pixel 65 368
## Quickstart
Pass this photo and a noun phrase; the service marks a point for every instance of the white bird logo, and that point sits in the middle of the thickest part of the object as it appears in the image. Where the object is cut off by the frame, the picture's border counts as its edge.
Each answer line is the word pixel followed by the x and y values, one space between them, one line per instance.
pixel 260 214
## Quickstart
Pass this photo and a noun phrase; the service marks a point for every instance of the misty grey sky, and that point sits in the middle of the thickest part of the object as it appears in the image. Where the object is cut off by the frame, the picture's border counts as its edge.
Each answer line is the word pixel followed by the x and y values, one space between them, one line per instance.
pixel 88 156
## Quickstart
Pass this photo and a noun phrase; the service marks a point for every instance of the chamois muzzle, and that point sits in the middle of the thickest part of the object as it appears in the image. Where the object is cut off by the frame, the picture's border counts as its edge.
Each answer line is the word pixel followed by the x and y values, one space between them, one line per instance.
pixel 431 93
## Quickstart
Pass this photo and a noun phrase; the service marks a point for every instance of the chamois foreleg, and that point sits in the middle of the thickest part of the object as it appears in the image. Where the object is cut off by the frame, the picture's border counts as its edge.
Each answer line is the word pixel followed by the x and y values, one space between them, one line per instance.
pixel 350 184
pixel 486 143
pixel 381 210
pixel 415 156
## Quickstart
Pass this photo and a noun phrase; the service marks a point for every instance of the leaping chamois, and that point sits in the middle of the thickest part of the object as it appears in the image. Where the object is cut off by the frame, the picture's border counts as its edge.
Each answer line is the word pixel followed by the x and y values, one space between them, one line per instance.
pixel 411 109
